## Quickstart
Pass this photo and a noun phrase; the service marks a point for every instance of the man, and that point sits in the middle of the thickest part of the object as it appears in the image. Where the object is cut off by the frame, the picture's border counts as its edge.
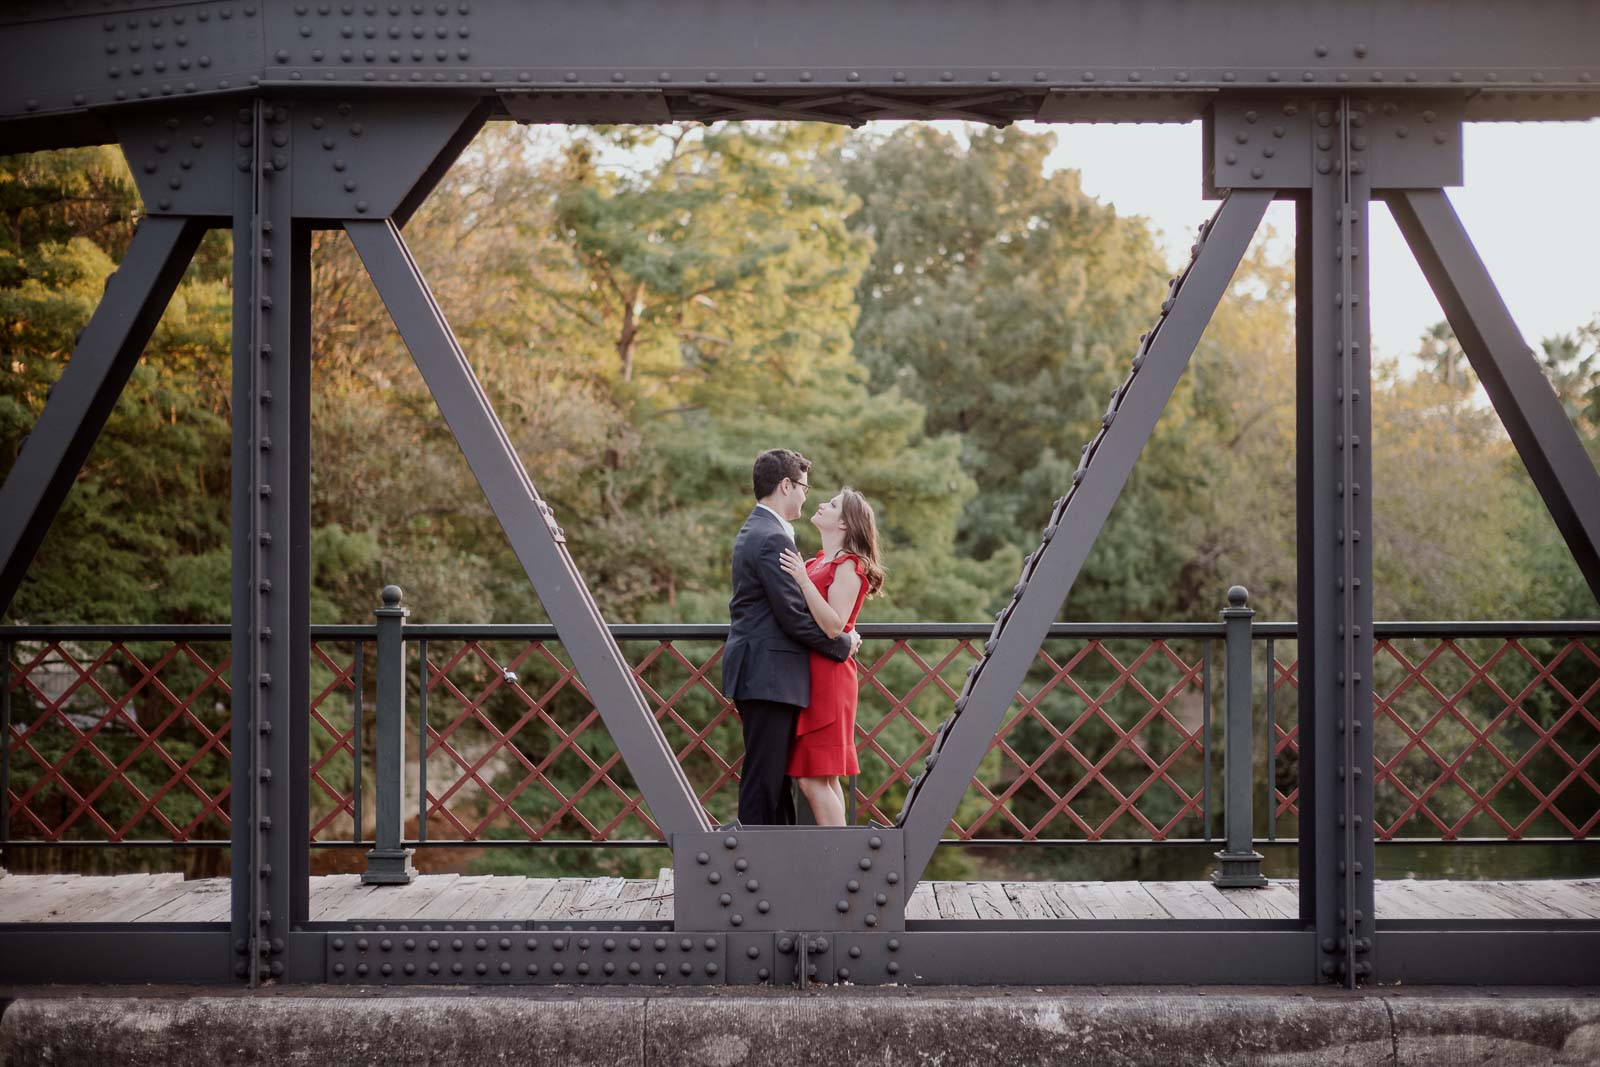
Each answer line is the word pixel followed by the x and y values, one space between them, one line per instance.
pixel 765 668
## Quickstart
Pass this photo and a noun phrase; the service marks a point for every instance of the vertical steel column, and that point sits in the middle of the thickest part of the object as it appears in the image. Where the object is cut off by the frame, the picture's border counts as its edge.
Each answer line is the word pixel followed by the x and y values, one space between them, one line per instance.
pixel 296 703
pixel 266 640
pixel 1335 547
pixel 1239 862
pixel 388 863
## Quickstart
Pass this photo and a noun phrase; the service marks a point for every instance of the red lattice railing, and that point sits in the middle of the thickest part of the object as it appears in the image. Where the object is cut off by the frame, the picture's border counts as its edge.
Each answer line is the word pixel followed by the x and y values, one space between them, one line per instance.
pixel 118 738
pixel 115 740
pixel 1476 737
pixel 1104 742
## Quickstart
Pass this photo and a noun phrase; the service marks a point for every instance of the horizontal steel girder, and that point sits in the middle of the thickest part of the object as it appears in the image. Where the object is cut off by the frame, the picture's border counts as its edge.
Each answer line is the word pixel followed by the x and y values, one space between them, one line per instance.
pixel 65 70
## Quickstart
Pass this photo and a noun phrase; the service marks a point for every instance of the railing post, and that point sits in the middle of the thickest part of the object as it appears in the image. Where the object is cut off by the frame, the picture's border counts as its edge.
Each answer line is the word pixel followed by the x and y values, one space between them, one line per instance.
pixel 388 863
pixel 1239 862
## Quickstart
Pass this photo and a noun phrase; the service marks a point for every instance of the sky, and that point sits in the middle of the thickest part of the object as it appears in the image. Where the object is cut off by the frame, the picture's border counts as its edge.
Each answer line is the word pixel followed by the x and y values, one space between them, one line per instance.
pixel 1528 204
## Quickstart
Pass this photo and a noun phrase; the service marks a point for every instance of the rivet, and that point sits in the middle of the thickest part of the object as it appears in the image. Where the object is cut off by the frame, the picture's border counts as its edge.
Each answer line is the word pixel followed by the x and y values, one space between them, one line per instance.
pixel 763 906
pixel 842 905
pixel 865 863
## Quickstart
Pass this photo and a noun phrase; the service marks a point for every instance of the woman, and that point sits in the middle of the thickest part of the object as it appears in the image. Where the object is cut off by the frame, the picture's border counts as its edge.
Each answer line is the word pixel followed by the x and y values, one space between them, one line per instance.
pixel 842 575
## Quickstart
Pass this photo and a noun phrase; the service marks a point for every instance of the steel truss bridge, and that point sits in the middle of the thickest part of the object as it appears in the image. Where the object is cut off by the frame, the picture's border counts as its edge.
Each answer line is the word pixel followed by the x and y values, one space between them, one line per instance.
pixel 275 118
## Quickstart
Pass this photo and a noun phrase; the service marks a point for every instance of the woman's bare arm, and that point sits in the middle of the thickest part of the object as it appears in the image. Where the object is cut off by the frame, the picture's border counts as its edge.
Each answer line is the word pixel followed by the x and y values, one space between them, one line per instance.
pixel 826 614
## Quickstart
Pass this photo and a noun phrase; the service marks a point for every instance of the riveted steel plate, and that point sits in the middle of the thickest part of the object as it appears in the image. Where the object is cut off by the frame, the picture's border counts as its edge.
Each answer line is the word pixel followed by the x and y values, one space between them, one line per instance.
pixel 833 878
pixel 183 156
pixel 420 955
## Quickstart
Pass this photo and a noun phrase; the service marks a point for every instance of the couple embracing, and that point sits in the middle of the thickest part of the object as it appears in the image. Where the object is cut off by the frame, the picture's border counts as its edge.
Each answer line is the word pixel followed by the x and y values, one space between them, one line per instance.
pixel 789 664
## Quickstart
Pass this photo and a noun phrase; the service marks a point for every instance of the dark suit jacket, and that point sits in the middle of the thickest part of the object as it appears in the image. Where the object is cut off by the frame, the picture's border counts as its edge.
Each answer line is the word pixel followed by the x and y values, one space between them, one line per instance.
pixel 770 626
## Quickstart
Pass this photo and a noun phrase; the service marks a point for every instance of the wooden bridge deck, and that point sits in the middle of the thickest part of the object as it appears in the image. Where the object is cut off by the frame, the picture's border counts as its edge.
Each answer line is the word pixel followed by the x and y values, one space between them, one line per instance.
pixel 446 897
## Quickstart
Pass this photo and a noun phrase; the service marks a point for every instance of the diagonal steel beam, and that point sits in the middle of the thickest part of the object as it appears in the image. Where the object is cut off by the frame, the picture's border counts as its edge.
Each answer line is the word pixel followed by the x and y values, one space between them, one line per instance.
pixel 1527 405
pixel 82 399
pixel 1057 563
pixel 534 536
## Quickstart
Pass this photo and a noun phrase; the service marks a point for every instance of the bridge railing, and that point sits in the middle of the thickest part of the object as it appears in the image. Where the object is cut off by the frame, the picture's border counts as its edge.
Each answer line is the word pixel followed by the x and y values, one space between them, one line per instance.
pixel 119 736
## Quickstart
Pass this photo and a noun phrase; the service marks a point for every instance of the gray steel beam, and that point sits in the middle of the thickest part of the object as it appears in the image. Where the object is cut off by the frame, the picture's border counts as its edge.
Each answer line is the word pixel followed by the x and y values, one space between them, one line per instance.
pixel 62 953
pixel 63 73
pixel 1478 954
pixel 1049 576
pixel 271 637
pixel 535 538
pixel 1538 426
pixel 82 399
pixel 1334 483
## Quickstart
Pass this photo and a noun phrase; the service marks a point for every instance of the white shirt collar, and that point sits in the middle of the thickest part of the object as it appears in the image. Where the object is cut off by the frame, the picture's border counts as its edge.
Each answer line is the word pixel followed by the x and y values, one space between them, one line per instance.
pixel 788 527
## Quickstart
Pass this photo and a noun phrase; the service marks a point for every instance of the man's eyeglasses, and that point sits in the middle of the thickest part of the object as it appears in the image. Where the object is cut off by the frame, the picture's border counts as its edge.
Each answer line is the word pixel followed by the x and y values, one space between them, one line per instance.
pixel 802 486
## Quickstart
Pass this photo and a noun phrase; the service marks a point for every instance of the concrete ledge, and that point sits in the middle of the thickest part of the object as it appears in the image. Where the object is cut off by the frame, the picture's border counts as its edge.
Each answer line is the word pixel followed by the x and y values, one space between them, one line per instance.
pixel 722 1029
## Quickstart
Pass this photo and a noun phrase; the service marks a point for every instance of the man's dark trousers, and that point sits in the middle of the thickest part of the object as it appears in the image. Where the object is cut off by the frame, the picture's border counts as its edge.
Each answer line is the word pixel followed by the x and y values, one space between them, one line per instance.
pixel 765 798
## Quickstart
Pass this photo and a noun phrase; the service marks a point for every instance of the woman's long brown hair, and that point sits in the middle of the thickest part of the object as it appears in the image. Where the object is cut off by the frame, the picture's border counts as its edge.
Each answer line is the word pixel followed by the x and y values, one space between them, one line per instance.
pixel 861 536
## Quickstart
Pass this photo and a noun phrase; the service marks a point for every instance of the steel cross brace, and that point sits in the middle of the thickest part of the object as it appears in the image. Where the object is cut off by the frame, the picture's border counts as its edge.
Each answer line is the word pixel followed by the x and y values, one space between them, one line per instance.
pixel 1544 437
pixel 539 543
pixel 81 401
pixel 1050 572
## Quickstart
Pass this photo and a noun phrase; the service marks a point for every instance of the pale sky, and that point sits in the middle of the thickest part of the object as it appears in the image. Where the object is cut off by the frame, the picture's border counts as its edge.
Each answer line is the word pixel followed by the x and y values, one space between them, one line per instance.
pixel 1528 204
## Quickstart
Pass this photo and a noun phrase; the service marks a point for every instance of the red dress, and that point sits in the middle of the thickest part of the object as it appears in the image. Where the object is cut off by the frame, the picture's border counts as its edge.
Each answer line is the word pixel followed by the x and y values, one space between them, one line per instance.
pixel 824 742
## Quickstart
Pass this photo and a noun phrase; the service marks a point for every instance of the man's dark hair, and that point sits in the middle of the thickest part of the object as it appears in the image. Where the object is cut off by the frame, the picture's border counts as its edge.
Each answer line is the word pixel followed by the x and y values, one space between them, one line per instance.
pixel 773 466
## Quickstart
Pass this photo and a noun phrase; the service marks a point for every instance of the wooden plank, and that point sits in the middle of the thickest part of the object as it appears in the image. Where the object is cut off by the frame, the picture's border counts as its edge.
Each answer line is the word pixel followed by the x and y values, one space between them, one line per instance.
pixel 1284 895
pixel 922 904
pixel 330 894
pixel 444 904
pixel 631 902
pixel 201 897
pixel 158 894
pixel 60 900
pixel 1399 898
pixel 523 904
pixel 1253 903
pixel 1077 900
pixel 1576 899
pixel 1468 900
pixel 991 901
pixel 1191 900
pixel 23 895
pixel 1029 900
pixel 954 900
pixel 491 901
pixel 1133 901
pixel 662 907
pixel 559 904
pixel 326 889
pixel 596 896
pixel 111 892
